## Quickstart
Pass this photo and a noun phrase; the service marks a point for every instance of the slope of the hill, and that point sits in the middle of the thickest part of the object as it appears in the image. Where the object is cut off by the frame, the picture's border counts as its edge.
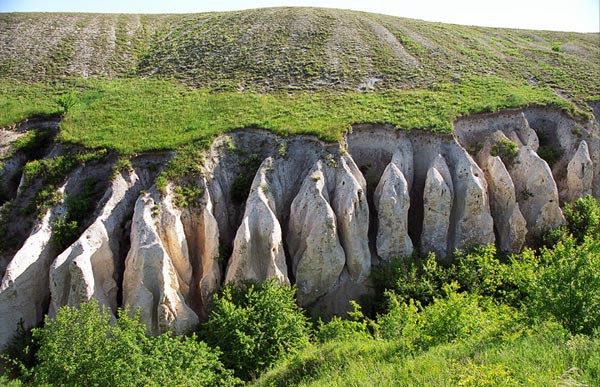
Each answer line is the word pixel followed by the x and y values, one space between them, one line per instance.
pixel 292 48
pixel 149 82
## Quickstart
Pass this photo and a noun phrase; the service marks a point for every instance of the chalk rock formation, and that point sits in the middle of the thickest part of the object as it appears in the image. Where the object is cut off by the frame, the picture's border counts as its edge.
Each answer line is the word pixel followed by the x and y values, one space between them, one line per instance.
pixel 580 174
pixel 352 212
pixel 509 222
pixel 472 223
pixel 157 269
pixel 392 201
pixel 202 234
pixel 536 193
pixel 258 246
pixel 24 291
pixel 317 255
pixel 87 269
pixel 438 197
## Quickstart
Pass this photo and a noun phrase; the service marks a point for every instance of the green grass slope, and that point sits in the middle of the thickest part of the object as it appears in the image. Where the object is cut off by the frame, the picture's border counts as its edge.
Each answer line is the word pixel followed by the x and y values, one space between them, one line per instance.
pixel 157 81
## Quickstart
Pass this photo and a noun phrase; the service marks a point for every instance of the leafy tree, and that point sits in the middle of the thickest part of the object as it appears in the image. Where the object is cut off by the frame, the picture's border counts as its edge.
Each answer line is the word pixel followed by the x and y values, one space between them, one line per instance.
pixel 255 325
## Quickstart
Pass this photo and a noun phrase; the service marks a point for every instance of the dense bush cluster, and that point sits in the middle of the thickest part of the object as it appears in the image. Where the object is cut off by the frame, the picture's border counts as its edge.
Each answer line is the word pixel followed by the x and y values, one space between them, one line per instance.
pixel 487 319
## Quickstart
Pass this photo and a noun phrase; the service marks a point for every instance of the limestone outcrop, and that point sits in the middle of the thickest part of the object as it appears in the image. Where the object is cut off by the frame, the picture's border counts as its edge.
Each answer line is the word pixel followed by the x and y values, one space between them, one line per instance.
pixel 536 192
pixel 24 290
pixel 313 214
pixel 580 174
pixel 472 222
pixel 392 202
pixel 317 255
pixel 258 245
pixel 157 269
pixel 510 223
pixel 438 196
pixel 88 268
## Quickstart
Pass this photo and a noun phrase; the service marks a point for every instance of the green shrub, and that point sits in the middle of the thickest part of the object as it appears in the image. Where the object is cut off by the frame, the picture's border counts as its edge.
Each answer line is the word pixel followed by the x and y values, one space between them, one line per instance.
pixel 550 154
pixel 65 230
pixel 80 347
pixel 458 316
pixel 565 283
pixel 356 327
pixel 123 164
pixel 33 142
pixel 254 325
pixel 412 278
pixel 66 102
pixel 583 217
pixel 506 149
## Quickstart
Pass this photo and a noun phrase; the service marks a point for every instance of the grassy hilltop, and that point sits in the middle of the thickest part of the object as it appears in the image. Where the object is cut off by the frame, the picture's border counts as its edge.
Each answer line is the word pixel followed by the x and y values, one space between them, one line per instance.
pixel 160 81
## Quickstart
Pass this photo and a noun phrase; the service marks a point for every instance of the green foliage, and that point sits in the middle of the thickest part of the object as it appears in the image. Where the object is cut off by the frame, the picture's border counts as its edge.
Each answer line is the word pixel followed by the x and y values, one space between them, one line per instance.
pixel 254 325
pixel 550 154
pixel 358 326
pixel 242 182
pixel 506 149
pixel 565 283
pixel 188 195
pixel 123 164
pixel 19 354
pixel 66 102
pixel 65 230
pixel 583 218
pixel 123 108
pixel 455 317
pixel 479 270
pixel 80 347
pixel 540 355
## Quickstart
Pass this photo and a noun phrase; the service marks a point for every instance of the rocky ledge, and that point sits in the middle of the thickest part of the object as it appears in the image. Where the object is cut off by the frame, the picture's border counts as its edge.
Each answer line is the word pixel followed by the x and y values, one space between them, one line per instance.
pixel 314 214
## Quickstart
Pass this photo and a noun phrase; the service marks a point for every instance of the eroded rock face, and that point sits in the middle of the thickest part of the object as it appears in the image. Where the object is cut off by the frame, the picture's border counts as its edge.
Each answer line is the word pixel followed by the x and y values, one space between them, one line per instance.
pixel 580 174
pixel 202 234
pixel 24 292
pixel 536 193
pixel 86 269
pixel 157 269
pixel 472 223
pixel 352 212
pixel 306 220
pixel 437 202
pixel 258 246
pixel 510 223
pixel 392 202
pixel 317 255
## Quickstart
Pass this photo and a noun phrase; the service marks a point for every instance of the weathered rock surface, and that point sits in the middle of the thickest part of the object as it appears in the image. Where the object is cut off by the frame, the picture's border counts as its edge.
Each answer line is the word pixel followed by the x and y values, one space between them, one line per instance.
pixel 536 193
pixel 258 246
pixel 510 223
pixel 88 268
pixel 317 255
pixel 202 234
pixel 580 174
pixel 24 292
pixel 471 221
pixel 438 197
pixel 352 212
pixel 392 202
pixel 306 220
pixel 157 269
